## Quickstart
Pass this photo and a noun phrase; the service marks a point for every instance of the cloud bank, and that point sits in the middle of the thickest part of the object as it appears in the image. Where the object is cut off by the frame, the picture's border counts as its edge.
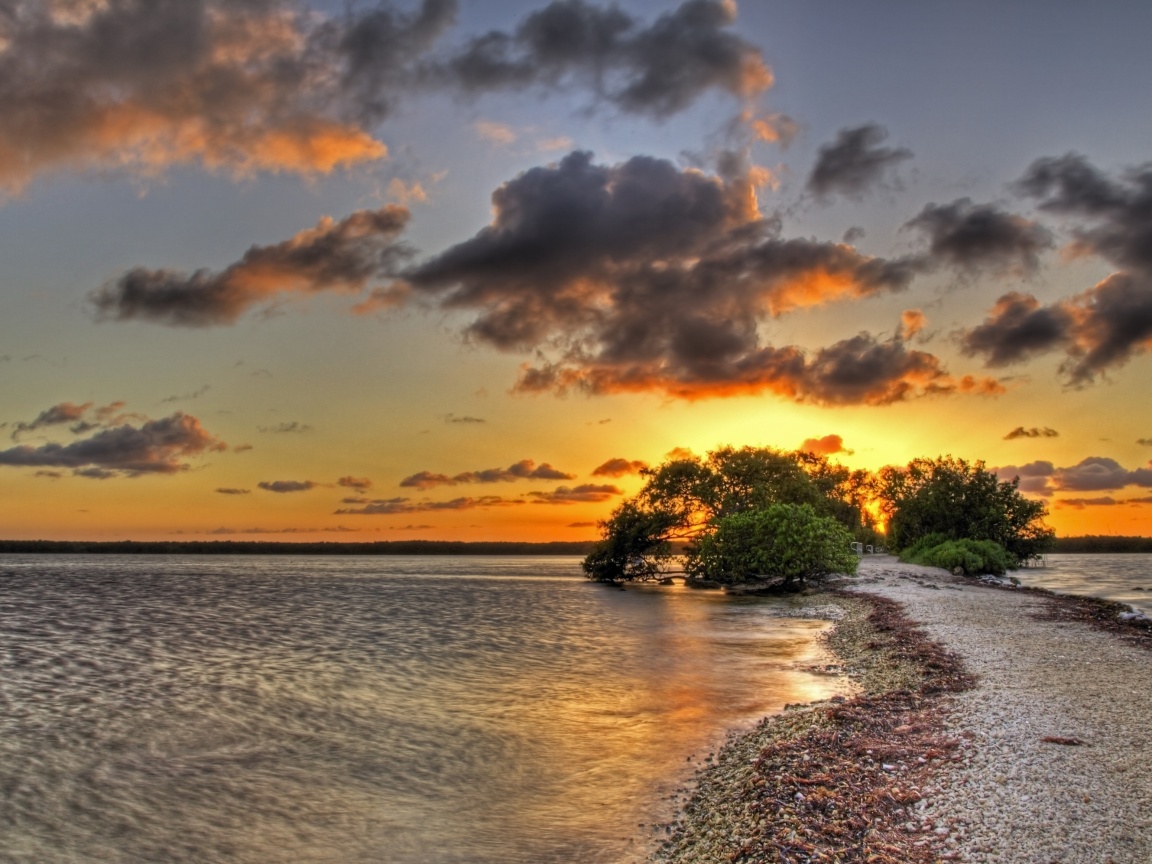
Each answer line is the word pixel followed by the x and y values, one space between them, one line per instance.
pixel 642 276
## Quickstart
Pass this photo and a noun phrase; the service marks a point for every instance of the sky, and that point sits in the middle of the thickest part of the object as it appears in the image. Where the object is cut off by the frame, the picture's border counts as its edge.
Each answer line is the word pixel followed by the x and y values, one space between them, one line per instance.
pixel 457 269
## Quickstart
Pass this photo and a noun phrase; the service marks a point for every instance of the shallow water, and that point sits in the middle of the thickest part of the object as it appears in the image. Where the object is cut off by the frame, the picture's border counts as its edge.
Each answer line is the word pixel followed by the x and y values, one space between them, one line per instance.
pixel 386 710
pixel 1125 578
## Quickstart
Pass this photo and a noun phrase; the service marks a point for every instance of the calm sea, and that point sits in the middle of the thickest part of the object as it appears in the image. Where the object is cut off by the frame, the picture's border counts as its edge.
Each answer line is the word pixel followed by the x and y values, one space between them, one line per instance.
pixel 1125 578
pixel 384 710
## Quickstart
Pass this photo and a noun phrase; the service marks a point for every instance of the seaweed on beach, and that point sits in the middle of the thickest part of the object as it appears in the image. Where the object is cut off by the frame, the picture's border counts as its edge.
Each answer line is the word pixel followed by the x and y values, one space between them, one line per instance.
pixel 837 781
pixel 1096 612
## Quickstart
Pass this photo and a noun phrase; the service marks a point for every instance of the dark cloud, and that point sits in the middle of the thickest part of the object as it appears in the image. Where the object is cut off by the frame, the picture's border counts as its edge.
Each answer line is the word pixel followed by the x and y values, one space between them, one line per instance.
pixel 581 525
pixel 1034 432
pixel 1035 477
pixel 618 467
pixel 1118 212
pixel 155 447
pixel 978 237
pixel 641 276
pixel 466 420
pixel 1144 442
pixel 230 491
pixel 583 494
pixel 525 469
pixel 1017 328
pixel 827 446
pixel 656 70
pixel 270 85
pixel 83 418
pixel 854 163
pixel 1102 328
pixel 286 485
pixel 360 483
pixel 332 256
pixel 1098 474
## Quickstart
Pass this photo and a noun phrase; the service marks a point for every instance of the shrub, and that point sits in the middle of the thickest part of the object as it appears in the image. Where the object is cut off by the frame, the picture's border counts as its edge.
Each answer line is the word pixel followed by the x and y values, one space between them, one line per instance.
pixel 786 542
pixel 972 556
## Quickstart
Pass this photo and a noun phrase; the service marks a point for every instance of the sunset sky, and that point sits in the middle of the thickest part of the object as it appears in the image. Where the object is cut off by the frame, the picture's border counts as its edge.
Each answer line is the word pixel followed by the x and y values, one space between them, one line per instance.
pixel 457 270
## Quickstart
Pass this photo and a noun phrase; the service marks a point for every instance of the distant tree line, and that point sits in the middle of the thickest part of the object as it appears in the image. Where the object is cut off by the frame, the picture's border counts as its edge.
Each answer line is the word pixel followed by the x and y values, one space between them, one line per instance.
pixel 257 547
pixel 1094 543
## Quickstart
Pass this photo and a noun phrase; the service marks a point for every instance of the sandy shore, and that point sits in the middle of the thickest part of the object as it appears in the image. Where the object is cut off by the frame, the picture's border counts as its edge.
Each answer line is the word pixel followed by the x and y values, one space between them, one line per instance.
pixel 980 725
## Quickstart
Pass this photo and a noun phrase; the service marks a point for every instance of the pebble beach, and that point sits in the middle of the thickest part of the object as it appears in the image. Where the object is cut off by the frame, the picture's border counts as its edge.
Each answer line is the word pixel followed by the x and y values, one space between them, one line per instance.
pixel 978 723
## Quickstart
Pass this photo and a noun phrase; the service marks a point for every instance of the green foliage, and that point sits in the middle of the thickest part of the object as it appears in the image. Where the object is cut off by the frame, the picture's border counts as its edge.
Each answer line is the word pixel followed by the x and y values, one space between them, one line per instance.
pixel 685 499
pixel 960 500
pixel 972 556
pixel 635 545
pixel 790 543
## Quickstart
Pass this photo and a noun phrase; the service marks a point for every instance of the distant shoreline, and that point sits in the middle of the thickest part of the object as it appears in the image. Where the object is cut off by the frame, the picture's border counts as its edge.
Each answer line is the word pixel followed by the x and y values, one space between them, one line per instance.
pixel 1089 544
pixel 257 547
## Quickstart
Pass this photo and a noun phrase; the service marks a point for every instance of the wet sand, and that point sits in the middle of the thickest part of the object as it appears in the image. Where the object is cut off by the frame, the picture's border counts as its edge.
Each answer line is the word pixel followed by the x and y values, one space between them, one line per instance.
pixel 979 724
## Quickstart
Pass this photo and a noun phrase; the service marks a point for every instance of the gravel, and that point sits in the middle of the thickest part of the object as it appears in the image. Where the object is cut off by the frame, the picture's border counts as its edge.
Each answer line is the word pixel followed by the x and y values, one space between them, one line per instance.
pixel 1022 798
pixel 1032 750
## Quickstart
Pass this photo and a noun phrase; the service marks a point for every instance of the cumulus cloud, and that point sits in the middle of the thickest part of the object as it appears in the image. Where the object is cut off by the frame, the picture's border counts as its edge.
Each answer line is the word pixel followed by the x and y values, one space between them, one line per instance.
pixel 273 85
pixel 1144 442
pixel 854 163
pixel 284 486
pixel 1100 329
pixel 233 491
pixel 336 256
pixel 618 467
pixel 1105 326
pixel 827 446
pixel 525 469
pixel 1034 432
pixel 642 276
pixel 981 237
pixel 154 447
pixel 656 70
pixel 359 483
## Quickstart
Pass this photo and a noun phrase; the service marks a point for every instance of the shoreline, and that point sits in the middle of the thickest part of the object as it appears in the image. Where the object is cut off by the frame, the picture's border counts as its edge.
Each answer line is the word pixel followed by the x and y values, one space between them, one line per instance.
pixel 983 731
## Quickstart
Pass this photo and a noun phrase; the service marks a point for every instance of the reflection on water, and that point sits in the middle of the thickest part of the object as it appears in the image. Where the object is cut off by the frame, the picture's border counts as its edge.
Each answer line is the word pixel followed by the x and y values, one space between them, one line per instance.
pixel 1125 578
pixel 396 710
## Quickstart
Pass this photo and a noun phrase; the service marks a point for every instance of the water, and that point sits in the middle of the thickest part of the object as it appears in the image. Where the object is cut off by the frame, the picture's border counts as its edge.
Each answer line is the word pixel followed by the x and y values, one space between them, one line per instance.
pixel 1125 578
pixel 385 710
